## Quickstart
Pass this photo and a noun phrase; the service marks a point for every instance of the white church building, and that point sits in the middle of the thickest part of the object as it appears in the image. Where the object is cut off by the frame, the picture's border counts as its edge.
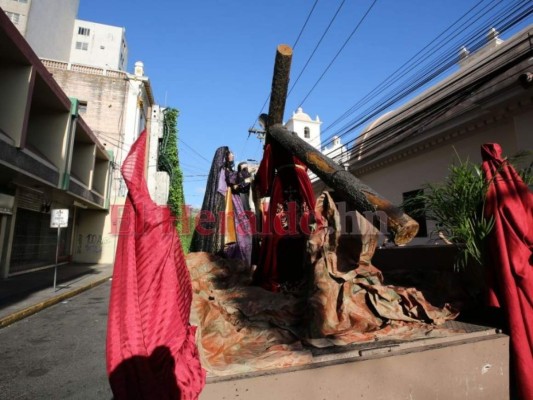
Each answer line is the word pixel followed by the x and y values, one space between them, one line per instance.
pixel 308 129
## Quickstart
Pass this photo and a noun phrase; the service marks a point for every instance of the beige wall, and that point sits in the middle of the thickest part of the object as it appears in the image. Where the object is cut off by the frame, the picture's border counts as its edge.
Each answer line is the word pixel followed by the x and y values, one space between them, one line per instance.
pixel 523 124
pixel 105 97
pixel 93 241
pixel 14 87
pixel 18 8
pixel 432 165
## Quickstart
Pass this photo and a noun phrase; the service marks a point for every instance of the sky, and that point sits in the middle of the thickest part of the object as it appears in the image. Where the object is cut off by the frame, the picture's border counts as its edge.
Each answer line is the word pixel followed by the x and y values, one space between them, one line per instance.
pixel 213 60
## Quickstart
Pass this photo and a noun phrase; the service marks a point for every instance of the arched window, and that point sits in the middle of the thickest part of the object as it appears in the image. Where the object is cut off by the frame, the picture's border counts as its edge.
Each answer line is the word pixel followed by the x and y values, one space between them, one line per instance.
pixel 307 133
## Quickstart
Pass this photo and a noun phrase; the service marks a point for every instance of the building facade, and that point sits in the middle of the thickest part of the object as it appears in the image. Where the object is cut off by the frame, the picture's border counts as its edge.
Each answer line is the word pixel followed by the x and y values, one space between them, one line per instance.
pixel 118 106
pixel 489 99
pixel 52 30
pixel 50 160
pixel 305 127
pixel 98 45
pixel 47 25
pixel 65 130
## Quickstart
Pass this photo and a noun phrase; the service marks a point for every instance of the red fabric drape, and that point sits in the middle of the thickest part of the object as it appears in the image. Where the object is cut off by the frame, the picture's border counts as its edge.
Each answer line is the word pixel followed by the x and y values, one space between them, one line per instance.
pixel 510 203
pixel 151 350
pixel 284 178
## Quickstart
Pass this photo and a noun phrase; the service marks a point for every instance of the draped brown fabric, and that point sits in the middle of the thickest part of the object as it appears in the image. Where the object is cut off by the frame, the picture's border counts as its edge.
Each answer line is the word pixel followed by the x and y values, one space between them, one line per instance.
pixel 243 327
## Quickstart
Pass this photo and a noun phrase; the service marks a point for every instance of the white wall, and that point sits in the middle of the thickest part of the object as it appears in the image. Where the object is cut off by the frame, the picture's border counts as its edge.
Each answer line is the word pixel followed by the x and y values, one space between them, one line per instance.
pixel 102 46
pixel 158 181
pixel 49 29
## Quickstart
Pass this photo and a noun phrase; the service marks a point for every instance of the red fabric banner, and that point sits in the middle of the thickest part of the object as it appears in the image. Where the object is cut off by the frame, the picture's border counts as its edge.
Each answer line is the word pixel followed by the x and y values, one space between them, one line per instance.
pixel 510 272
pixel 151 350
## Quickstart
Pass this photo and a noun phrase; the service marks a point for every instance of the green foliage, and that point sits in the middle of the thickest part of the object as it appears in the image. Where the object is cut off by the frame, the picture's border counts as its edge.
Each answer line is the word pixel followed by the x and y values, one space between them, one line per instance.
pixel 186 233
pixel 169 162
pixel 456 205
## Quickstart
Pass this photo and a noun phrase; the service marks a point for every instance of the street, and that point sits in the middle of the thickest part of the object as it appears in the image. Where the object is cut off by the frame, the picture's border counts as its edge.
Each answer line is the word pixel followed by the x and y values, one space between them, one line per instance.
pixel 58 353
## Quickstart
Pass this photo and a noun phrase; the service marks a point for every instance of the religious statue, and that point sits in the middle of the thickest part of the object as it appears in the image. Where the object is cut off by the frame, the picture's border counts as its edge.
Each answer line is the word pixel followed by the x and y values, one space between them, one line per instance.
pixel 222 225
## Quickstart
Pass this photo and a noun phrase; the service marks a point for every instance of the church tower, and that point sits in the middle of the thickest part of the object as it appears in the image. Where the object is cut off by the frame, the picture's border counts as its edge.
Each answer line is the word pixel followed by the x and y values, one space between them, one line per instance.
pixel 306 128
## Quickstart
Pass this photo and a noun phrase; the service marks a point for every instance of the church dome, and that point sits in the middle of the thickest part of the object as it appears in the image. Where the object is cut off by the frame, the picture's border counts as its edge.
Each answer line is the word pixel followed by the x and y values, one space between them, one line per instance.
pixel 370 130
pixel 301 116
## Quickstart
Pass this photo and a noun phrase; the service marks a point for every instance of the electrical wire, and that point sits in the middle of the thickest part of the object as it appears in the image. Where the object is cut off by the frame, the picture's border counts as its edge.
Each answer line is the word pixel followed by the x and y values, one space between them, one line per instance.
pixel 338 52
pixel 405 66
pixel 405 128
pixel 304 25
pixel 317 46
pixel 294 46
pixel 507 18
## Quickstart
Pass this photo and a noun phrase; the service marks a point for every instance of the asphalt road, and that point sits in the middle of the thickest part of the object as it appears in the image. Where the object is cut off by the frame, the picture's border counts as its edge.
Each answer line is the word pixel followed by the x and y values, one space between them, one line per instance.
pixel 58 353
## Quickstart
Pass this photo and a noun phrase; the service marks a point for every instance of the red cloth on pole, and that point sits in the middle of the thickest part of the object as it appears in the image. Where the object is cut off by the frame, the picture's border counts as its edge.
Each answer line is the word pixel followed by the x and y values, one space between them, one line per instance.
pixel 151 350
pixel 510 203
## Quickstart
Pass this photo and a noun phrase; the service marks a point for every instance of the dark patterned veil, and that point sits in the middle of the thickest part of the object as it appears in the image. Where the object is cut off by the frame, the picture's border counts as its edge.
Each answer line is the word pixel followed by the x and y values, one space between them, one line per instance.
pixel 206 236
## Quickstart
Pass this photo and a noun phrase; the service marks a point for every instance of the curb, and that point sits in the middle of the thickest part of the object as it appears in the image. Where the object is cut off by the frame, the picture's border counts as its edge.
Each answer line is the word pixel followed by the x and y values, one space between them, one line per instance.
pixel 18 315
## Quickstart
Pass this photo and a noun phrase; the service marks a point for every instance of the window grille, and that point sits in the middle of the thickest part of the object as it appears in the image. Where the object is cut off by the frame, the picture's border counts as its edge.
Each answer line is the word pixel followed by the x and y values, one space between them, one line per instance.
pixel 83 31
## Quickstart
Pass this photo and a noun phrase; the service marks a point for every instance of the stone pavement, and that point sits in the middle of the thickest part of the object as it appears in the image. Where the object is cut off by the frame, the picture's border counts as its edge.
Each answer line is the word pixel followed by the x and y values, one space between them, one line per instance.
pixel 26 294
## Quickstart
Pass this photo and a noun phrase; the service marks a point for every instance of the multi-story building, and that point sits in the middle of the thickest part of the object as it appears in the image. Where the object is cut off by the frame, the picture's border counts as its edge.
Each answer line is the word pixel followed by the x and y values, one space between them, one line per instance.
pixel 47 25
pixel 113 106
pixel 118 106
pixel 52 30
pixel 50 159
pixel 99 45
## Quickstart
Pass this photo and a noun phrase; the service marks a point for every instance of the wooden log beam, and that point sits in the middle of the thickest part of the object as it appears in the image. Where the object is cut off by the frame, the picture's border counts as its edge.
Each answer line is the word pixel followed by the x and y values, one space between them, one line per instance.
pixel 280 85
pixel 348 186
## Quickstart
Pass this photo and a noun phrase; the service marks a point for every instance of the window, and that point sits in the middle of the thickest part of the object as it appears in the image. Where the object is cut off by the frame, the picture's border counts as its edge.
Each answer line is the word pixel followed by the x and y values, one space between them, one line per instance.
pixel 307 133
pixel 414 207
pixel 82 46
pixel 82 107
pixel 84 31
pixel 14 17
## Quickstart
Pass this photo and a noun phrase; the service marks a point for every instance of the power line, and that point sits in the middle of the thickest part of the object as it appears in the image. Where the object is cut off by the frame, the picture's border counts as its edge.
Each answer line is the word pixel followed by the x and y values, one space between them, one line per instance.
pixel 194 151
pixel 294 46
pixel 507 18
pixel 397 72
pixel 304 25
pixel 317 46
pixel 411 125
pixel 339 52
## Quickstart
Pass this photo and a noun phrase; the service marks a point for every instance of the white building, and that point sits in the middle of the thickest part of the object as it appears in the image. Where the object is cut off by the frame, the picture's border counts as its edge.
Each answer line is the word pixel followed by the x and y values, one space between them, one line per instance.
pixel 99 45
pixel 309 130
pixel 53 32
pixel 46 24
pixel 305 127
pixel 337 151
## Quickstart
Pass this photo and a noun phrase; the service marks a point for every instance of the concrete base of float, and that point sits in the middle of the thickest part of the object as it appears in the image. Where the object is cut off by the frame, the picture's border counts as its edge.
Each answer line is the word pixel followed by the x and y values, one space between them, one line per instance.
pixel 470 365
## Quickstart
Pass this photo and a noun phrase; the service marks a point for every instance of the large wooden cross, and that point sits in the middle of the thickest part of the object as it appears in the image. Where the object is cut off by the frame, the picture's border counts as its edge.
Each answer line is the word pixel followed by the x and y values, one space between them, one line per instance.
pixel 364 198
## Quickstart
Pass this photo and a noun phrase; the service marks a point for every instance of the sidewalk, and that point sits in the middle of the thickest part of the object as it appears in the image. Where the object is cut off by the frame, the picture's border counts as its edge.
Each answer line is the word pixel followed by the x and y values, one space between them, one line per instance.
pixel 26 294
